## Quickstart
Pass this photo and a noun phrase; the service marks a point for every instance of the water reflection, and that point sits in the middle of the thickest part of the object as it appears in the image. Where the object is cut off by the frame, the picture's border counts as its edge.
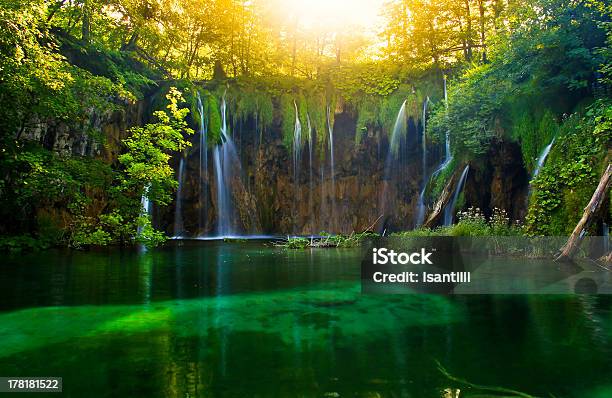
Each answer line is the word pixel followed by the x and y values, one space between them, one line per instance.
pixel 249 320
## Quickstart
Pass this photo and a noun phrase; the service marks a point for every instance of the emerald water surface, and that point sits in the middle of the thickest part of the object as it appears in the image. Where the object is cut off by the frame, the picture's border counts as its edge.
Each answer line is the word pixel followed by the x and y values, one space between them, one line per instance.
pixel 217 319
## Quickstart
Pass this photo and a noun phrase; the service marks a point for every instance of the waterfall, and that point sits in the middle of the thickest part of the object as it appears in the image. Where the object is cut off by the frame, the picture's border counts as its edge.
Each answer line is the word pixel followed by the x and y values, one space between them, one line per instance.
pixel 203 193
pixel 420 213
pixel 449 211
pixel 225 159
pixel 297 145
pixel 145 207
pixel 310 193
pixel 447 146
pixel 399 128
pixel 542 158
pixel 297 151
pixel 332 170
pixel 424 140
pixel 178 208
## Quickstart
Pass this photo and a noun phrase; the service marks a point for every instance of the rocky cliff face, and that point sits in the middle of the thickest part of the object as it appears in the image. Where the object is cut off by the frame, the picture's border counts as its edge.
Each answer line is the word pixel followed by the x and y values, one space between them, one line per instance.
pixel 270 200
pixel 500 182
pixel 97 135
pixel 367 189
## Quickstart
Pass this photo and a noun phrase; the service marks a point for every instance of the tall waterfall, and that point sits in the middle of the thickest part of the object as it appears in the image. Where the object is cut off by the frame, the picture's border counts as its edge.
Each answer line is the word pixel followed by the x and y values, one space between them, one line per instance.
pixel 542 158
pixel 420 213
pixel 310 147
pixel 400 128
pixel 297 145
pixel 449 211
pixel 448 157
pixel 297 152
pixel 203 170
pixel 178 209
pixel 225 160
pixel 330 129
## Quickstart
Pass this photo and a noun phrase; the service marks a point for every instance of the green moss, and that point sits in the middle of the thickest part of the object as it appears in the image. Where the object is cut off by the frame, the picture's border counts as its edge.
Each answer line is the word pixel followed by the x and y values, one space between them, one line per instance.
pixel 316 104
pixel 287 112
pixel 568 179
pixel 533 133
pixel 266 113
pixel 214 118
pixel 438 182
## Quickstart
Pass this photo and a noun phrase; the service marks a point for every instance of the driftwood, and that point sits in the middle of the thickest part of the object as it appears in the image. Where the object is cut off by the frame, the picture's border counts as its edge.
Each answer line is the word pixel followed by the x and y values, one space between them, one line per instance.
pixel 573 243
pixel 371 227
pixel 445 197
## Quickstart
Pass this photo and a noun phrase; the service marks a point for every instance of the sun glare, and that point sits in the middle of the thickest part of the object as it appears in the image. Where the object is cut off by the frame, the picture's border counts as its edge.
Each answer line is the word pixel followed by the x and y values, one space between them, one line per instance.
pixel 335 15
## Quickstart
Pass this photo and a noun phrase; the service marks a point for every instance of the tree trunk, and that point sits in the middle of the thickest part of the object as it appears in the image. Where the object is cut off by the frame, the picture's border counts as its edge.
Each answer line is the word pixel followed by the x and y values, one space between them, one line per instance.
pixel 445 196
pixel 470 42
pixel 573 243
pixel 481 8
pixel 86 22
pixel 56 7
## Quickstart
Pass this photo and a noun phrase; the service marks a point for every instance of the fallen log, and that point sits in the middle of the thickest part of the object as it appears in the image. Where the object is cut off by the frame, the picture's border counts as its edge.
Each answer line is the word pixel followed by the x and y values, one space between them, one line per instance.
pixel 568 251
pixel 438 209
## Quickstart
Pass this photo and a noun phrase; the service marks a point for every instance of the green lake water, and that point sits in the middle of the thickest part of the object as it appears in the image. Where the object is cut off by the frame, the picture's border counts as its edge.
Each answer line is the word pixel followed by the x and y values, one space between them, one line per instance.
pixel 215 319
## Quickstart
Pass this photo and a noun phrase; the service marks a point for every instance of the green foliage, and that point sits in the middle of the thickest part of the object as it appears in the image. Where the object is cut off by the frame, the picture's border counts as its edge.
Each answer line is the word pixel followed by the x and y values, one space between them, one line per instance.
pixel 316 107
pixel 36 80
pixel 367 79
pixel 23 243
pixel 533 134
pixel 380 112
pixel 120 67
pixel 296 243
pixel 439 181
pixel 148 152
pixel 287 111
pixel 472 223
pixel 571 173
pixel 546 59
pixel 85 198
pixel 59 197
pixel 327 240
pixel 251 99
pixel 147 235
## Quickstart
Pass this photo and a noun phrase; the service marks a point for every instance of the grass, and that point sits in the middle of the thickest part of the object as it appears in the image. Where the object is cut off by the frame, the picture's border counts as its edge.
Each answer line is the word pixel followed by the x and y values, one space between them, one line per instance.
pixel 327 241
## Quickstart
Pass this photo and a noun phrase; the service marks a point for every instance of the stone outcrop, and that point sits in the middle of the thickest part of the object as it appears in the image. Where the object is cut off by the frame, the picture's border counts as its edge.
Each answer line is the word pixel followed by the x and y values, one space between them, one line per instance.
pixel 97 135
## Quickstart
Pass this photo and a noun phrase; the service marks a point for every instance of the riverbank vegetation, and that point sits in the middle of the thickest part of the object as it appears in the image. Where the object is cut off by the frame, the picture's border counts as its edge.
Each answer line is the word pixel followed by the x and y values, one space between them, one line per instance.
pixel 524 72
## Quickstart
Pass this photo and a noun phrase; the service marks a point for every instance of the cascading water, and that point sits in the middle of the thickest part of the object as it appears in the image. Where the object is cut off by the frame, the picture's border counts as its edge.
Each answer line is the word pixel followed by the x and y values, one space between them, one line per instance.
pixel 225 159
pixel 203 193
pixel 297 151
pixel 420 213
pixel 542 158
pixel 449 211
pixel 145 207
pixel 297 145
pixel 310 147
pixel 331 164
pixel 400 128
pixel 447 146
pixel 178 209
